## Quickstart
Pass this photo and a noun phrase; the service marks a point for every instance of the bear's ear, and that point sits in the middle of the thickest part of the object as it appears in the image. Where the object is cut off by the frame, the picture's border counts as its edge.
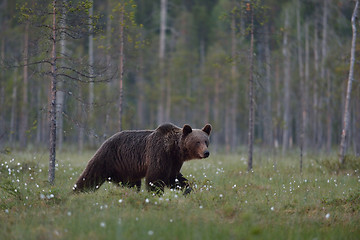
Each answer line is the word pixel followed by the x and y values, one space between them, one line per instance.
pixel 186 130
pixel 207 129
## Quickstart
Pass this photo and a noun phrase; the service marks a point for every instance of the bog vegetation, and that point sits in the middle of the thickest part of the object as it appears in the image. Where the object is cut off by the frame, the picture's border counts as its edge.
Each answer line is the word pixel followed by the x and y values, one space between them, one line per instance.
pixel 274 201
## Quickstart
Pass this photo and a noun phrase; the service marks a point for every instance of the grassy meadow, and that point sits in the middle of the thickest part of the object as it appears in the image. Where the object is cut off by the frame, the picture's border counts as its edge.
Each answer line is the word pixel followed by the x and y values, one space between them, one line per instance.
pixel 274 201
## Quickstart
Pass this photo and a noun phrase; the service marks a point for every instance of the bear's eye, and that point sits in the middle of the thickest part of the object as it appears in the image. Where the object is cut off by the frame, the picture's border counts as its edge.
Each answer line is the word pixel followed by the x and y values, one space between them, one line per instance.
pixel 198 142
pixel 207 143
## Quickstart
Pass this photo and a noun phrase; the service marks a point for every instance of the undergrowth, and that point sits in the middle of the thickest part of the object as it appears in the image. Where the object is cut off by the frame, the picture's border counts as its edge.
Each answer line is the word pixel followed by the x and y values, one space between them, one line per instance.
pixel 274 201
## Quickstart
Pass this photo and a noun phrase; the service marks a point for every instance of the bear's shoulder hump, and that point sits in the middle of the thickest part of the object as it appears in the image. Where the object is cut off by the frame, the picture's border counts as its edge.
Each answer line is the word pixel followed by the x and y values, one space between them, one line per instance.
pixel 166 128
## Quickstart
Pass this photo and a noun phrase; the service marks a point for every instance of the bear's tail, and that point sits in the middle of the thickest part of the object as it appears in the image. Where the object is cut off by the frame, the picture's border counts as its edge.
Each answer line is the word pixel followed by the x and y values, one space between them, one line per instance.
pixel 91 178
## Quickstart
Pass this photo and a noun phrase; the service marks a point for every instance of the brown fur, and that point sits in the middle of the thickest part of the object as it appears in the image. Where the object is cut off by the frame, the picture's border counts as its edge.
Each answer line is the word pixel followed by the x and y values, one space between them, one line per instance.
pixel 157 155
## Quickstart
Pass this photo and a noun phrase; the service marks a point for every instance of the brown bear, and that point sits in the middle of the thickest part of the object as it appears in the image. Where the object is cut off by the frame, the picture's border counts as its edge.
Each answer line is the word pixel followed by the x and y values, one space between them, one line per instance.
pixel 157 155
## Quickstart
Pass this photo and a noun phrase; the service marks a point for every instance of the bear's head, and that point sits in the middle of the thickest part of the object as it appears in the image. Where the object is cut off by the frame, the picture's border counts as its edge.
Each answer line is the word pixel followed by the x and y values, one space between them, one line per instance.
pixel 196 142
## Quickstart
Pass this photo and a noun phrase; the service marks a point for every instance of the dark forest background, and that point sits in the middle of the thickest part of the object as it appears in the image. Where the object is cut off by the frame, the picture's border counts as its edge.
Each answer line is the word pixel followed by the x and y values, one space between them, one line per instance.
pixel 183 62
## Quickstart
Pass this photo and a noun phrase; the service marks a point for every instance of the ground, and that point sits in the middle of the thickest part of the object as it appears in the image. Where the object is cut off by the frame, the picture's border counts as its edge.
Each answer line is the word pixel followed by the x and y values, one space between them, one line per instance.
pixel 227 202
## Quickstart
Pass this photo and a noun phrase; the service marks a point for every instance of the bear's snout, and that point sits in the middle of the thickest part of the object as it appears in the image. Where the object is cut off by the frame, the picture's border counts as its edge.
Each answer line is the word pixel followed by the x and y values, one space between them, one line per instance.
pixel 206 154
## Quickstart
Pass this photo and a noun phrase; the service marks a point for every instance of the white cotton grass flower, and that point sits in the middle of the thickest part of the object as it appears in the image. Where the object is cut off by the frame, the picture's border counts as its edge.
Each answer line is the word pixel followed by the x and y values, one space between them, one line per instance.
pixel 103 224
pixel 150 232
pixel 327 216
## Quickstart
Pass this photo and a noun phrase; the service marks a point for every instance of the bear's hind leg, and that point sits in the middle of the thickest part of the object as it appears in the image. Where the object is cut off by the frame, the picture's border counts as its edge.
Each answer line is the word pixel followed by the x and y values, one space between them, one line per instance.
pixel 156 186
pixel 85 184
pixel 132 184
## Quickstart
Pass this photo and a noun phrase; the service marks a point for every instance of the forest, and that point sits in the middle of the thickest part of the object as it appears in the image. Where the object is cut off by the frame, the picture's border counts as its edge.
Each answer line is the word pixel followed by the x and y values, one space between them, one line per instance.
pixel 134 64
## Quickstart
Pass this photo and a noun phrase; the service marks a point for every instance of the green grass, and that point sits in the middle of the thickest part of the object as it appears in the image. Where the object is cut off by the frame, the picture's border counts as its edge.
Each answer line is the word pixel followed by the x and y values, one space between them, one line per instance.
pixel 227 203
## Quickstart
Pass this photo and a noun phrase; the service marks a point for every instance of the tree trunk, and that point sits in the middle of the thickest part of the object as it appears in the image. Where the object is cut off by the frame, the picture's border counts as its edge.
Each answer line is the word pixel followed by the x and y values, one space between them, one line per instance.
pixel 328 112
pixel 2 69
pixel 162 42
pixel 81 126
pixel 315 100
pixel 121 66
pixel 91 60
pixel 324 75
pixel 216 107
pixel 53 100
pixel 13 109
pixel 24 106
pixel 302 84
pixel 346 115
pixel 60 96
pixel 286 55
pixel 39 116
pixel 91 74
pixel 306 88
pixel 2 87
pixel 140 90
pixel 269 138
pixel 251 95
pixel 278 107
pixel 109 66
pixel 324 41
pixel 234 76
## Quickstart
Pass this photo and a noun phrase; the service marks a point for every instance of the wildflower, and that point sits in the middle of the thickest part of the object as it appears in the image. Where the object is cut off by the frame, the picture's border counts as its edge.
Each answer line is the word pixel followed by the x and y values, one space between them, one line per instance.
pixel 103 224
pixel 150 232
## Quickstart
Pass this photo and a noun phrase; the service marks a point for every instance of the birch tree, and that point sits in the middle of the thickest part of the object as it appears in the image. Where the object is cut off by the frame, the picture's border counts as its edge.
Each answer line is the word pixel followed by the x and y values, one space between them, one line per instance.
pixel 250 8
pixel 346 115
pixel 53 73
pixel 286 55
pixel 302 84
pixel 60 96
pixel 128 32
pixel 121 65
pixel 162 42
pixel 24 108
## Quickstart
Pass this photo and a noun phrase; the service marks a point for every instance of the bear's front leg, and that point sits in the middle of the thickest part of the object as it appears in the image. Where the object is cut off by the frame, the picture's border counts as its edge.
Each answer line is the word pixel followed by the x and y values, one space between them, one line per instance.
pixel 181 182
